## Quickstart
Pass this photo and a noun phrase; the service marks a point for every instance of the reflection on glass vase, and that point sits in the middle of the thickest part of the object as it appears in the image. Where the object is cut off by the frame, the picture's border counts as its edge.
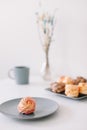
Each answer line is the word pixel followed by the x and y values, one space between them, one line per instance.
pixel 45 69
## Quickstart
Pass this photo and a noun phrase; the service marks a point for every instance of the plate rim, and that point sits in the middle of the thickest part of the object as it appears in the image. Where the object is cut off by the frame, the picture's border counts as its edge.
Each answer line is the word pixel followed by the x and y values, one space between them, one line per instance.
pixel 16 117
pixel 62 95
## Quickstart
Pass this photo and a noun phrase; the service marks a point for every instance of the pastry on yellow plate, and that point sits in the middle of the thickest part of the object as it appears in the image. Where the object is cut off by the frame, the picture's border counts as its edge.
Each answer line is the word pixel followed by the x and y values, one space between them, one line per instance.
pixel 83 88
pixel 71 90
pixel 26 105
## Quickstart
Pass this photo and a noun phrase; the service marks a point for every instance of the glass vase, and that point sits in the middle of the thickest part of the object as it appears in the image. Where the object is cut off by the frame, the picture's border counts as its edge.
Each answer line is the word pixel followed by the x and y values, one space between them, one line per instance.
pixel 45 69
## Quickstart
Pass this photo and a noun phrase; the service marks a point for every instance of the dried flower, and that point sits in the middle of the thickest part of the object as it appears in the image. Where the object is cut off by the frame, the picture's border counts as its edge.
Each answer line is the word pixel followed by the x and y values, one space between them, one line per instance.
pixel 46 24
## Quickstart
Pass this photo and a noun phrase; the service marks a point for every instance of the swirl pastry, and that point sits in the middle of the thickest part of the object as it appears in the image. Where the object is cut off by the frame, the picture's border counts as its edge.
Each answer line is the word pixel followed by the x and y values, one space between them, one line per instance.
pixel 26 105
pixel 72 90
pixel 57 87
pixel 83 88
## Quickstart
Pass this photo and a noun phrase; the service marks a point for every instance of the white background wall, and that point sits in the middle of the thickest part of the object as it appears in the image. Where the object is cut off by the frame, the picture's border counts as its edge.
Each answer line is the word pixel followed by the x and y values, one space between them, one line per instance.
pixel 20 44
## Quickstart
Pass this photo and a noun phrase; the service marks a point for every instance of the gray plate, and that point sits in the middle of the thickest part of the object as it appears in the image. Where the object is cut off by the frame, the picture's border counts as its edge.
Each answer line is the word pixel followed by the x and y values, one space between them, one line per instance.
pixel 44 107
pixel 80 97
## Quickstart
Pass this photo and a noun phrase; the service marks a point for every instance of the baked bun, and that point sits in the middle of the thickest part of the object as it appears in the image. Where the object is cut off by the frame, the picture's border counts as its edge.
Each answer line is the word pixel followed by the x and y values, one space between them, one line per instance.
pixel 57 87
pixel 26 105
pixel 66 80
pixel 80 79
pixel 83 88
pixel 71 90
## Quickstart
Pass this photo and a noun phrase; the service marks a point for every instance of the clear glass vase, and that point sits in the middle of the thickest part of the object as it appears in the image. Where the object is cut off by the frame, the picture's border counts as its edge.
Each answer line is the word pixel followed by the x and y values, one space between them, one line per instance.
pixel 46 22
pixel 45 69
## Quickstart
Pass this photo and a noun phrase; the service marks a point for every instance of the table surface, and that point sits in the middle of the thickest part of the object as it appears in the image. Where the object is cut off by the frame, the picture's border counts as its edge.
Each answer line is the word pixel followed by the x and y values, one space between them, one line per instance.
pixel 72 114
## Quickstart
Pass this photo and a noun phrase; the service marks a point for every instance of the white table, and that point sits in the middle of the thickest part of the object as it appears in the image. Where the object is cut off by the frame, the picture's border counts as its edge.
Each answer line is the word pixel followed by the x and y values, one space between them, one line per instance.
pixel 72 115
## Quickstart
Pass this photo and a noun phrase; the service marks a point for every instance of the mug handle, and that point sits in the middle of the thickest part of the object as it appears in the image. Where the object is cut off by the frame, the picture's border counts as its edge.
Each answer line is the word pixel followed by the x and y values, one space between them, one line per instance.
pixel 10 74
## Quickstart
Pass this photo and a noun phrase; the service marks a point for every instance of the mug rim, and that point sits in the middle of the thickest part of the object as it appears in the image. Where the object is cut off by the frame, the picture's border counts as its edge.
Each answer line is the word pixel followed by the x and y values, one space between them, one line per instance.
pixel 20 67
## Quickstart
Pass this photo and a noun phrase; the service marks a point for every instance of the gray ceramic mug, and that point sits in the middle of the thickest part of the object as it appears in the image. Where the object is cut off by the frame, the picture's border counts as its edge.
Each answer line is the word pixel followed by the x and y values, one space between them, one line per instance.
pixel 20 74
